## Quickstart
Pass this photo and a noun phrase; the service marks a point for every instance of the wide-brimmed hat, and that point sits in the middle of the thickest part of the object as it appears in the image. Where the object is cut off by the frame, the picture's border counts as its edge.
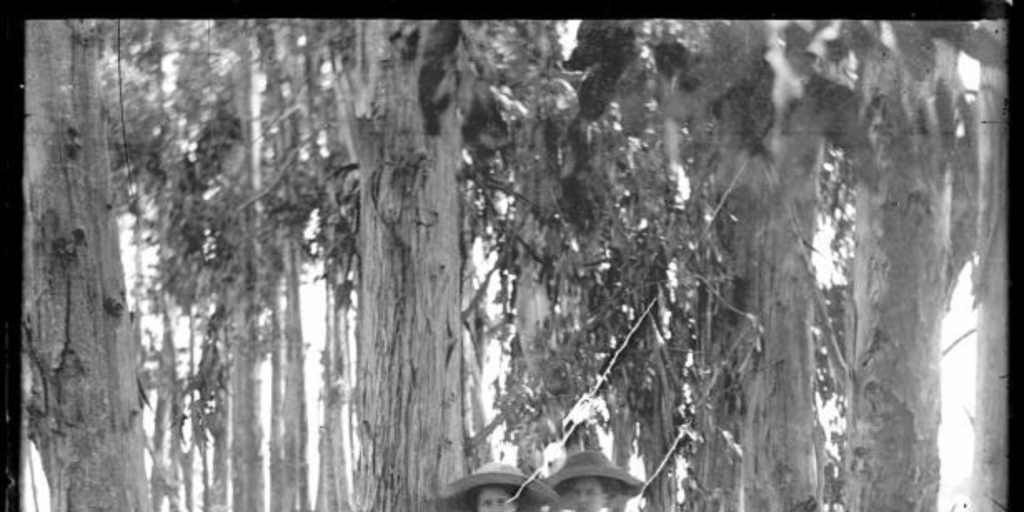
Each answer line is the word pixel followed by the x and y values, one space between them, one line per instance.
pixel 534 495
pixel 595 465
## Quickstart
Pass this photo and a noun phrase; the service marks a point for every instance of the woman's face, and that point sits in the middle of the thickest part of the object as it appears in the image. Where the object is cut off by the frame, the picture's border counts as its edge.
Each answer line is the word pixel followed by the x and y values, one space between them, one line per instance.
pixel 588 495
pixel 494 499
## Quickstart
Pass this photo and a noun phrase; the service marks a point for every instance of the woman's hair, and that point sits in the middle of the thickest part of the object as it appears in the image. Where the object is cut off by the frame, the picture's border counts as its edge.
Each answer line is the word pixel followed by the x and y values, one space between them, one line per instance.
pixel 472 494
pixel 610 486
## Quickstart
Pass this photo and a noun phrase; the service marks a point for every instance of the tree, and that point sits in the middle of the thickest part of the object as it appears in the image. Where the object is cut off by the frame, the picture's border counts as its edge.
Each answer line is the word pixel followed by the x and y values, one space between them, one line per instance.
pixel 289 211
pixel 84 404
pixel 991 478
pixel 338 232
pixel 242 300
pixel 780 464
pixel 408 139
pixel 900 271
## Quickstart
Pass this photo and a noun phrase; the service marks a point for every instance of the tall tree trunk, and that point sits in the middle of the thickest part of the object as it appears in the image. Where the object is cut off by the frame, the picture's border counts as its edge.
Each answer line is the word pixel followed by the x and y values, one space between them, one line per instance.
pixel 335 480
pixel 991 422
pixel 188 461
pixel 84 407
pixel 900 280
pixel 295 392
pixel 335 486
pixel 410 360
pixel 221 432
pixel 289 440
pixel 246 458
pixel 779 459
pixel 282 488
pixel 279 345
pixel 166 447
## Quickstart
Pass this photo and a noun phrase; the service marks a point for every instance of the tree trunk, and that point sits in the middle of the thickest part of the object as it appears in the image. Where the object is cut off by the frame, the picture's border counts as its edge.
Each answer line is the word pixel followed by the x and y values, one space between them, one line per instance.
pixel 335 481
pixel 991 422
pixel 282 484
pixel 900 280
pixel 246 458
pixel 84 408
pixel 295 436
pixel 779 466
pixel 335 485
pixel 221 433
pixel 279 345
pixel 188 461
pixel 166 446
pixel 410 360
pixel 296 392
pixel 657 435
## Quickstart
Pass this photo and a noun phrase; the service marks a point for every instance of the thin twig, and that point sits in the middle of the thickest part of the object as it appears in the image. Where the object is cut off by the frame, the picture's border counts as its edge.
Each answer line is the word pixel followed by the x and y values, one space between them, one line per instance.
pixel 664 460
pixel 957 341
pixel 481 292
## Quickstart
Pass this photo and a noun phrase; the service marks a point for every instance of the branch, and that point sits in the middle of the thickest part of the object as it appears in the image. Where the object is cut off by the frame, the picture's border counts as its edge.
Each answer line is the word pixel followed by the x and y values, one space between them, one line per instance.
pixel 479 295
pixel 259 195
pixel 481 436
pixel 664 460
pixel 957 342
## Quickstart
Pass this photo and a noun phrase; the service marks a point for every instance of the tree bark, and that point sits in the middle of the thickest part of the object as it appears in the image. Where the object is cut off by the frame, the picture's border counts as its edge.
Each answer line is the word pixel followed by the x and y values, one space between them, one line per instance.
pixel 295 436
pixel 246 458
pixel 658 436
pixel 900 280
pixel 280 488
pixel 217 473
pixel 779 462
pixel 410 360
pixel 298 432
pixel 991 422
pixel 84 404
pixel 188 461
pixel 335 483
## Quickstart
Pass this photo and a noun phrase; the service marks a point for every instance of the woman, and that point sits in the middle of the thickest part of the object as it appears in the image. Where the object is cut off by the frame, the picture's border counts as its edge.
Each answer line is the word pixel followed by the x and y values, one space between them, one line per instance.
pixel 589 482
pixel 491 489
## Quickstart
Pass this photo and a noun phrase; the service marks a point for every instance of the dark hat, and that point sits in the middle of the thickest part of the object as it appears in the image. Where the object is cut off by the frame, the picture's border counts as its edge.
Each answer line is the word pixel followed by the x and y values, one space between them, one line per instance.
pixel 535 495
pixel 591 464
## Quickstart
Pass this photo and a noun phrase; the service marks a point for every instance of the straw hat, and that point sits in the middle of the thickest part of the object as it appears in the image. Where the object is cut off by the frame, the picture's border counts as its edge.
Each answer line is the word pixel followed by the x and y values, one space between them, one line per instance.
pixel 595 464
pixel 535 495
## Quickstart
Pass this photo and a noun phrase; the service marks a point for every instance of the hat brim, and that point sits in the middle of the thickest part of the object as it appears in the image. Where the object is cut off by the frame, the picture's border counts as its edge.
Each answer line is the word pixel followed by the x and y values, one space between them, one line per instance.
pixel 631 485
pixel 534 495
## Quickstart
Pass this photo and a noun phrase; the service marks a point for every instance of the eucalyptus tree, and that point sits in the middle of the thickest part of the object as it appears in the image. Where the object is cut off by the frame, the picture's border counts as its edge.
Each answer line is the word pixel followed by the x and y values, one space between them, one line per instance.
pixel 407 80
pixel 83 406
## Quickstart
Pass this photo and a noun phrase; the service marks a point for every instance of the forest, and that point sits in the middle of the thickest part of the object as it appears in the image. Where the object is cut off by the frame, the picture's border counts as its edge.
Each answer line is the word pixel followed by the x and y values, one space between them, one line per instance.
pixel 296 265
